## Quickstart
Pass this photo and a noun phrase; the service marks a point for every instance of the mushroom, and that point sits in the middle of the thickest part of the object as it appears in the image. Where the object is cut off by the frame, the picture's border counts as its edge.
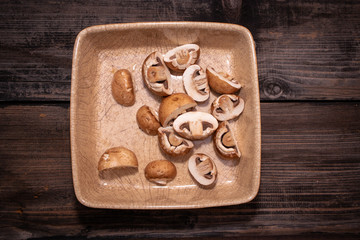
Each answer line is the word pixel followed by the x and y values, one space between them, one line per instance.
pixel 174 105
pixel 225 142
pixel 173 144
pixel 160 171
pixel 195 125
pixel 117 157
pixel 122 88
pixel 156 75
pixel 148 120
pixel 227 106
pixel 202 168
pixel 179 58
pixel 196 83
pixel 222 82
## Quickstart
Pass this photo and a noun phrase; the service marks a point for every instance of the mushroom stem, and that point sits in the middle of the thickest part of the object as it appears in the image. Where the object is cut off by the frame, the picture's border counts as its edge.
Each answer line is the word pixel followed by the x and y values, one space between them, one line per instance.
pixel 196 128
pixel 205 167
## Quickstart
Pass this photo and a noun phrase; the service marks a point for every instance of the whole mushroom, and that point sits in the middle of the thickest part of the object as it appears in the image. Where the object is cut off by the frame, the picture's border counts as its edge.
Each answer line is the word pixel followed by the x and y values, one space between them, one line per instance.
pixel 160 171
pixel 156 75
pixel 148 120
pixel 227 107
pixel 196 83
pixel 195 125
pixel 179 58
pixel 202 168
pixel 122 88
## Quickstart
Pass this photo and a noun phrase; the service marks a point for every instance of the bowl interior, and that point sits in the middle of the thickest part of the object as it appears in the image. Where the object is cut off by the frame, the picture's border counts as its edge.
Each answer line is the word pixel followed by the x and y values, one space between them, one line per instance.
pixel 99 123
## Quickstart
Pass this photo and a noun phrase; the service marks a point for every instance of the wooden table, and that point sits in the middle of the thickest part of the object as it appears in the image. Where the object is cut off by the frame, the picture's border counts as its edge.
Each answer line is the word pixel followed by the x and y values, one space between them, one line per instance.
pixel 309 75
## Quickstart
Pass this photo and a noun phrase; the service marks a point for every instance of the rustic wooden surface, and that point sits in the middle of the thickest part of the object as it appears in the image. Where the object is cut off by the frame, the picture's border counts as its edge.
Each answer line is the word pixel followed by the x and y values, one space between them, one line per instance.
pixel 309 73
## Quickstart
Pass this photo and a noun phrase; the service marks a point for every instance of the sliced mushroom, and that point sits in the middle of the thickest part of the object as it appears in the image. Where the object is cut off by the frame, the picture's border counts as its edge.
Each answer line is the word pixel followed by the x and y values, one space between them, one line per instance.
pixel 195 125
pixel 160 171
pixel 174 105
pixel 117 157
pixel 222 82
pixel 196 83
pixel 156 75
pixel 227 106
pixel 202 168
pixel 225 142
pixel 179 58
pixel 173 144
pixel 148 120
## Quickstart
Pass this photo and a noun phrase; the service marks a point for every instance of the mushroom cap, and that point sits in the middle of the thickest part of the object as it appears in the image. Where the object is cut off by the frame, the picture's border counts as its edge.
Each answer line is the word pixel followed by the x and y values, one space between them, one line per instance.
pixel 222 83
pixel 225 134
pixel 160 171
pixel 202 168
pixel 227 106
pixel 156 75
pixel 122 88
pixel 117 157
pixel 181 57
pixel 196 83
pixel 173 144
pixel 148 120
pixel 174 105
pixel 195 125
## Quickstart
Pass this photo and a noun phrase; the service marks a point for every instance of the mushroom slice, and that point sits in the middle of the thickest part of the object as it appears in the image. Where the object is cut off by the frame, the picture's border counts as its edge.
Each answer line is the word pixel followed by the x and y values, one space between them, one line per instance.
pixel 156 75
pixel 195 125
pixel 117 157
pixel 160 171
pixel 174 105
pixel 202 168
pixel 179 58
pixel 227 106
pixel 196 83
pixel 222 82
pixel 225 142
pixel 173 144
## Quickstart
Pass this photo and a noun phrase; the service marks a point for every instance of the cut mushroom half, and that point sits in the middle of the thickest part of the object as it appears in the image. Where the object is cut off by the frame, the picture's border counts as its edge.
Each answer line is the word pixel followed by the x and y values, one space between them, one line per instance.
pixel 174 105
pixel 156 75
pixel 117 157
pixel 179 58
pixel 227 106
pixel 173 144
pixel 225 142
pixel 196 83
pixel 222 82
pixel 202 168
pixel 195 125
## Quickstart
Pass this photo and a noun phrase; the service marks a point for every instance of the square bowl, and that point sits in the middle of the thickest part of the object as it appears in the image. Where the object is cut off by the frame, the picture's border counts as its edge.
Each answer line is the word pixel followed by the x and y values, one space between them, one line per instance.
pixel 97 122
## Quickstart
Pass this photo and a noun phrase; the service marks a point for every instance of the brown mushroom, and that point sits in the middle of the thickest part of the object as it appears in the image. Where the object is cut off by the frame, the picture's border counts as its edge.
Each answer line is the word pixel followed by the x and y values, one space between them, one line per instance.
pixel 227 106
pixel 225 142
pixel 179 58
pixel 148 120
pixel 222 82
pixel 196 83
pixel 160 171
pixel 122 88
pixel 156 75
pixel 174 105
pixel 173 144
pixel 117 157
pixel 202 168
pixel 195 125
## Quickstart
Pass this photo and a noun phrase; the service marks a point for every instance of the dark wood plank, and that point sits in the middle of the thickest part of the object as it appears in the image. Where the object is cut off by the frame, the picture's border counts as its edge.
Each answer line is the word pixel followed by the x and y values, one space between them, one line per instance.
pixel 306 50
pixel 309 183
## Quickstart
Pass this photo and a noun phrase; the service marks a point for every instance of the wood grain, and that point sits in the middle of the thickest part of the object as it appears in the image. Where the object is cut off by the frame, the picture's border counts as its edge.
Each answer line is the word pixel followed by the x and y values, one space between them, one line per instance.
pixel 306 50
pixel 309 184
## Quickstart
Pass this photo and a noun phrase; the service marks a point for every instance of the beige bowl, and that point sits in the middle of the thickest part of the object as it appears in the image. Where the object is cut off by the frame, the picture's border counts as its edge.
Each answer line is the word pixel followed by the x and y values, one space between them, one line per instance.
pixel 99 123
